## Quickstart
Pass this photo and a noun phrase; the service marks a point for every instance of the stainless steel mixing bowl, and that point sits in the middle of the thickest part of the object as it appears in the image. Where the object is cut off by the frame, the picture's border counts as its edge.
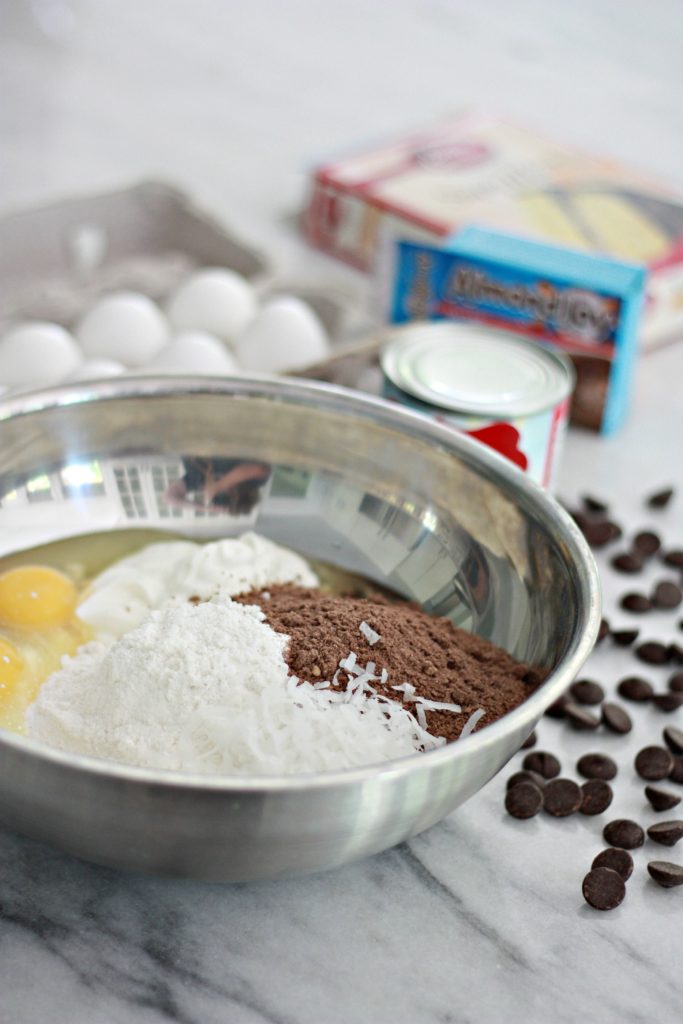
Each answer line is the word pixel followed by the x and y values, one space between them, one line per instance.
pixel 372 488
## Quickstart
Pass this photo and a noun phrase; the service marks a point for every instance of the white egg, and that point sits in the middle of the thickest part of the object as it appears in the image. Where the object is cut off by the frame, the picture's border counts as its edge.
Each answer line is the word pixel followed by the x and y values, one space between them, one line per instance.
pixel 37 353
pixel 215 300
pixel 127 327
pixel 94 369
pixel 286 335
pixel 193 352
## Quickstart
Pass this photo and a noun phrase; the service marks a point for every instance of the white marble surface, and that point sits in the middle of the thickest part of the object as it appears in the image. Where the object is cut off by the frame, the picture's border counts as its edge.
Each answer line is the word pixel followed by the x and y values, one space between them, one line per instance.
pixel 480 920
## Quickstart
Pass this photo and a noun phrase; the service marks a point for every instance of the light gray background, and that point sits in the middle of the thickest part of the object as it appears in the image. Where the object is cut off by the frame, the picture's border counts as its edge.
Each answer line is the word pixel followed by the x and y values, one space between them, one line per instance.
pixel 481 919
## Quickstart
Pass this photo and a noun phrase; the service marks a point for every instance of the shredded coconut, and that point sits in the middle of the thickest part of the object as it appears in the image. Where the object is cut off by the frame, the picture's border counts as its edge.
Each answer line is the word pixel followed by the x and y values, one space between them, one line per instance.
pixel 205 688
pixel 369 633
pixel 471 722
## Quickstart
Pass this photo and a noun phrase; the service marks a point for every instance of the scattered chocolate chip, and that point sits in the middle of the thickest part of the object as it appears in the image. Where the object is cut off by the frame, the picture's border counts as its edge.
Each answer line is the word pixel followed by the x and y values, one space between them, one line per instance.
pixel 556 709
pixel 530 741
pixel 661 799
pixel 597 532
pixel 595 505
pixel 561 797
pixel 674 558
pixel 676 653
pixel 665 873
pixel 603 631
pixel 638 603
pixel 525 776
pixel 616 718
pixel 596 796
pixel 524 800
pixel 653 763
pixel 596 766
pixel 674 739
pixel 624 833
pixel 676 773
pixel 579 718
pixel 676 682
pixel 646 543
pixel 618 860
pixel 635 688
pixel 668 701
pixel 653 652
pixel 542 762
pixel 603 888
pixel 585 691
pixel 666 832
pixel 627 561
pixel 660 499
pixel 625 637
pixel 667 594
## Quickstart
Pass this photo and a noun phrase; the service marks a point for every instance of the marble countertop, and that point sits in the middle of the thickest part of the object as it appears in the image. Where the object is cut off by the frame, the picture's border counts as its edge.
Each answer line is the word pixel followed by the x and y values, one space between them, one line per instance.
pixel 480 920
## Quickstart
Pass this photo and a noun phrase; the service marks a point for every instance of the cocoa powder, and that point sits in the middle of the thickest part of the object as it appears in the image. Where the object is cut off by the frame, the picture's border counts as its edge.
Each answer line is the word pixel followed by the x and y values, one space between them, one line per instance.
pixel 442 662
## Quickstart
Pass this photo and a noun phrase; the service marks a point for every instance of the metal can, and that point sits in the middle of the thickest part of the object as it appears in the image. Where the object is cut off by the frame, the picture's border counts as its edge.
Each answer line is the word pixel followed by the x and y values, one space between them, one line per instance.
pixel 503 390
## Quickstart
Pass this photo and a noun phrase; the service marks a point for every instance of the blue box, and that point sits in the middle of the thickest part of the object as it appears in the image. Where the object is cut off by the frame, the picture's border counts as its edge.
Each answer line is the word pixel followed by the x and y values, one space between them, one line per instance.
pixel 588 306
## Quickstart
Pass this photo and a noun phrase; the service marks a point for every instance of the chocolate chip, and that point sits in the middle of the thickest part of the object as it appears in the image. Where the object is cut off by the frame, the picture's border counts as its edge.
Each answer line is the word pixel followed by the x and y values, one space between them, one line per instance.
pixel 624 833
pixel 561 797
pixel 618 860
pixel 585 691
pixel 595 505
pixel 579 718
pixel 676 773
pixel 616 718
pixel 661 799
pixel 660 499
pixel 646 543
pixel 653 763
pixel 519 777
pixel 556 709
pixel 674 739
pixel 674 558
pixel 668 701
pixel 653 652
pixel 598 532
pixel 603 631
pixel 625 637
pixel 666 832
pixel 676 682
pixel 665 873
pixel 667 594
pixel 603 888
pixel 524 800
pixel 627 561
pixel 596 766
pixel 596 796
pixel 542 762
pixel 676 653
pixel 530 741
pixel 638 603
pixel 635 688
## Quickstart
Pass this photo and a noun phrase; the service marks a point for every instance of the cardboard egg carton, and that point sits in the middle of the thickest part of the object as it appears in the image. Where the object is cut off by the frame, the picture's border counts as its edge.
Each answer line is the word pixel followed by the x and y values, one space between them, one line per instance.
pixel 57 260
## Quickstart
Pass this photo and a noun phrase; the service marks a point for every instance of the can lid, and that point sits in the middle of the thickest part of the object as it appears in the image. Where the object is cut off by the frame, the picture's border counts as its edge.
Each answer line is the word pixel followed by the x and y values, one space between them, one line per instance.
pixel 474 369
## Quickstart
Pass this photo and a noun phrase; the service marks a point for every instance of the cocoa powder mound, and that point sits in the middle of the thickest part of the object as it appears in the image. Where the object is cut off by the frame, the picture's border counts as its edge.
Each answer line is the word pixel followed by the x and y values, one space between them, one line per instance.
pixel 442 662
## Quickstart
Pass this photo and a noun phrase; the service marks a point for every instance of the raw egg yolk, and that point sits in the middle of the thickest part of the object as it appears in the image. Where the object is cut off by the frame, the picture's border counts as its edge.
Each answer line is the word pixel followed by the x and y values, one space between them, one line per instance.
pixel 11 666
pixel 35 596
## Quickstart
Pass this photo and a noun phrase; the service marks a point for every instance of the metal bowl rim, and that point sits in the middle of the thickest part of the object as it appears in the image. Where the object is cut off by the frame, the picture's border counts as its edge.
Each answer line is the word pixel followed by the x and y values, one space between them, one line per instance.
pixel 417 425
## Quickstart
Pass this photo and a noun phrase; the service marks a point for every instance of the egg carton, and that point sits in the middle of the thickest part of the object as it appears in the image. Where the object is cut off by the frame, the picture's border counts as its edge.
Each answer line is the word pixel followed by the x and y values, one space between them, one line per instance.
pixel 57 260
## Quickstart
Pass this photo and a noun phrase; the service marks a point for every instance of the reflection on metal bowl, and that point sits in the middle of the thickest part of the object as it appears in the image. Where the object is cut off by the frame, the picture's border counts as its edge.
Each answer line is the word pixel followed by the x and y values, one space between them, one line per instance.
pixel 347 480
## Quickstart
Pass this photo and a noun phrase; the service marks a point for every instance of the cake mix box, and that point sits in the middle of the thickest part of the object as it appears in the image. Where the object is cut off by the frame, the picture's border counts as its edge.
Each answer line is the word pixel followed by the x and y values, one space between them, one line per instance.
pixel 486 171
pixel 588 307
